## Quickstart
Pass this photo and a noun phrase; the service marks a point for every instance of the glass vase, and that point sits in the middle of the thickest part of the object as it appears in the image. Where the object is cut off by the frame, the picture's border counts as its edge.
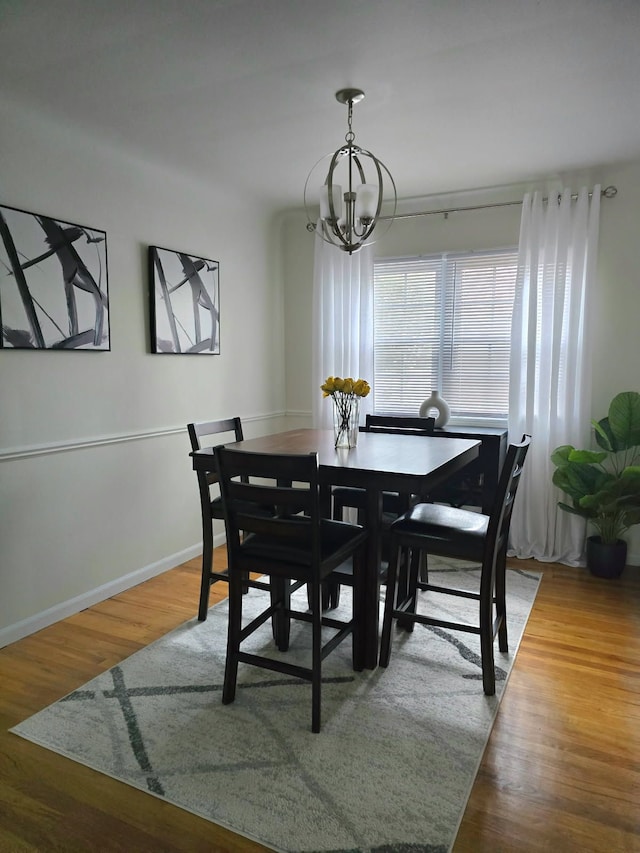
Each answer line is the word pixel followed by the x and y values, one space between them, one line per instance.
pixel 346 419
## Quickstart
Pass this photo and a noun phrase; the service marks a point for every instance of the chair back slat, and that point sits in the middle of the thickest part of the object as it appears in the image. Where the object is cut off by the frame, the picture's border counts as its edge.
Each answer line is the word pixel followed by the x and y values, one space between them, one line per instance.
pixel 203 435
pixel 206 429
pixel 399 424
pixel 285 496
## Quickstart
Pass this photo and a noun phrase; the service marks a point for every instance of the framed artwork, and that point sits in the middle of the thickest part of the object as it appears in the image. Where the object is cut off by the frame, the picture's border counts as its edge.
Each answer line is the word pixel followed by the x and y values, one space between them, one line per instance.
pixel 185 303
pixel 54 290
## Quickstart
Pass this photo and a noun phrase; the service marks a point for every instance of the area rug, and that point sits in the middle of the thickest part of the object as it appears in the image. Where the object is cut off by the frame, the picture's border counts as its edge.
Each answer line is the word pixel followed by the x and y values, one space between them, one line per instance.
pixel 391 769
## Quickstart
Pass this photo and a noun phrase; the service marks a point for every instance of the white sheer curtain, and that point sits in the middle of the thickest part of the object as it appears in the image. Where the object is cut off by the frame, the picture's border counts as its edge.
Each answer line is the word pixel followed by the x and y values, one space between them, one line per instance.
pixel 342 322
pixel 550 381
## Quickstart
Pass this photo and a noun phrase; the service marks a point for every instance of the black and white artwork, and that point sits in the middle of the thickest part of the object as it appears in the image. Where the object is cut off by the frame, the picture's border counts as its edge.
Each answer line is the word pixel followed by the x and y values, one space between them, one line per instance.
pixel 54 291
pixel 185 303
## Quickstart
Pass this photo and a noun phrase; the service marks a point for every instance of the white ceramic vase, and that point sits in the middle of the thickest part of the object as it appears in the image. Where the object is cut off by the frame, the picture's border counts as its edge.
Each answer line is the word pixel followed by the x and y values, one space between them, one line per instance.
pixel 435 401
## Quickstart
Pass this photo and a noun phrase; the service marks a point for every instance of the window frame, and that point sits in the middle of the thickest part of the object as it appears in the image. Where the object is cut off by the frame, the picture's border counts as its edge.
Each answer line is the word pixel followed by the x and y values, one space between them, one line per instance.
pixel 445 297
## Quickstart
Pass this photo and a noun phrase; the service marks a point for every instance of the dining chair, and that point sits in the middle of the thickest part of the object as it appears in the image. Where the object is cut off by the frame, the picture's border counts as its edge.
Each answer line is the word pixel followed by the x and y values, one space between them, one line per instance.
pixel 294 546
pixel 393 503
pixel 466 535
pixel 201 435
pixel 349 497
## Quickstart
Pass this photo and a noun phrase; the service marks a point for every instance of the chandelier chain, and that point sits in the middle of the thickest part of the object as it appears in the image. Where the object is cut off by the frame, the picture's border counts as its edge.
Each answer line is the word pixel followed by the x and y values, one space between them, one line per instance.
pixel 350 135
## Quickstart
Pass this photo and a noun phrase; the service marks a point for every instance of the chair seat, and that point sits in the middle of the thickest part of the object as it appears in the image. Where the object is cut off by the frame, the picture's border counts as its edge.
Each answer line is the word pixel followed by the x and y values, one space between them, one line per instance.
pixel 452 532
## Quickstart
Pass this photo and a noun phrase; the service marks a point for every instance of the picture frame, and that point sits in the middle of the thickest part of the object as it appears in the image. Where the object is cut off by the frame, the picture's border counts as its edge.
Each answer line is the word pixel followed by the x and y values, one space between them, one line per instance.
pixel 54 283
pixel 184 296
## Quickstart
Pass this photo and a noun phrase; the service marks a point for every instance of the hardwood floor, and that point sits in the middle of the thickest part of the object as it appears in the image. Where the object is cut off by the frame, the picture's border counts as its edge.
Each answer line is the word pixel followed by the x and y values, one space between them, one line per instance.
pixel 561 771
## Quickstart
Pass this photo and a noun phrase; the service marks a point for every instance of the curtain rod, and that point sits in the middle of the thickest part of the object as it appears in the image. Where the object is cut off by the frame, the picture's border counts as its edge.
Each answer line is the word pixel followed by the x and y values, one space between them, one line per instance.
pixel 607 192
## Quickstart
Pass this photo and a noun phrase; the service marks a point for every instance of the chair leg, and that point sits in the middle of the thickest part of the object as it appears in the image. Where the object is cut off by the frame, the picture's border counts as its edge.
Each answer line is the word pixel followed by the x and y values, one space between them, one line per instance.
pixel 424 567
pixel 205 581
pixel 233 640
pixel 486 638
pixel 413 558
pixel 316 656
pixel 358 609
pixel 330 592
pixel 501 601
pixel 333 589
pixel 488 664
pixel 403 574
pixel 389 602
pixel 281 621
pixel 332 586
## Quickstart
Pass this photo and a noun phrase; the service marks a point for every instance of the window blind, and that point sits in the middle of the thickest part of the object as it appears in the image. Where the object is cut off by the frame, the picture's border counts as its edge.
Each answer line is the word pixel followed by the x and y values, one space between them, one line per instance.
pixel 444 322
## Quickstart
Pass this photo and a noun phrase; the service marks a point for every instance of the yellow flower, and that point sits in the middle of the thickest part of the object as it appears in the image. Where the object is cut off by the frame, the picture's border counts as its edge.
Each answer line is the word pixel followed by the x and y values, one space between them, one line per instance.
pixel 328 388
pixel 361 388
pixel 335 386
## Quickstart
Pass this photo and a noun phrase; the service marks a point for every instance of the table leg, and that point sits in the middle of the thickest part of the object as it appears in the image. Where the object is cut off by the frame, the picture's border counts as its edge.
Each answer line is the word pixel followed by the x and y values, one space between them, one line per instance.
pixel 372 582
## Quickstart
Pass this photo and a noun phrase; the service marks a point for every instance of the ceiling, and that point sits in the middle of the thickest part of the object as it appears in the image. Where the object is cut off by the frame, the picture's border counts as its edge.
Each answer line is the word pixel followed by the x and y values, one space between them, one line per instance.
pixel 460 94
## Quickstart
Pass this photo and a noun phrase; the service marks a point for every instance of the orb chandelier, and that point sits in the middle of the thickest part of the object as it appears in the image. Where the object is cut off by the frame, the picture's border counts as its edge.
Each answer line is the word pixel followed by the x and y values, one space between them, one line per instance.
pixel 353 190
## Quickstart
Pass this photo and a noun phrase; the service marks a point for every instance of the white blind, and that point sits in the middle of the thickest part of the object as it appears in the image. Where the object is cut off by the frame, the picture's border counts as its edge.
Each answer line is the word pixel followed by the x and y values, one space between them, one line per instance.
pixel 443 322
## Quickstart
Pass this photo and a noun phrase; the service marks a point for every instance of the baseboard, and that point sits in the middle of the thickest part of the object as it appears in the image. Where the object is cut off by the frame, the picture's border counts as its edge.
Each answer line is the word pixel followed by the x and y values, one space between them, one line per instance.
pixel 19 630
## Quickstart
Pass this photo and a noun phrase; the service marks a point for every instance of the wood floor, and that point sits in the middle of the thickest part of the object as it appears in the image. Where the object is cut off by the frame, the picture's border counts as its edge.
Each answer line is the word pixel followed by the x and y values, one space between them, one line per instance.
pixel 561 771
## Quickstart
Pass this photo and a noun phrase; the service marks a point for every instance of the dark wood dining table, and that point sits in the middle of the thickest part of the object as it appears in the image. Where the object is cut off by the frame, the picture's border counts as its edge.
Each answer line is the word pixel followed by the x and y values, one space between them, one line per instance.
pixel 408 464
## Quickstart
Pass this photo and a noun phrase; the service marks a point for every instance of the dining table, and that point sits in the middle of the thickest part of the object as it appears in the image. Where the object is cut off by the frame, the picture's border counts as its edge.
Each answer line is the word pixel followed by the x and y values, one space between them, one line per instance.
pixel 407 464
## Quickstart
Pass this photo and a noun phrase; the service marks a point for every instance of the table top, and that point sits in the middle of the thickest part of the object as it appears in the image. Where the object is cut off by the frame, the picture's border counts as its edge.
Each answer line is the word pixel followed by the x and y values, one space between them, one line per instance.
pixel 399 461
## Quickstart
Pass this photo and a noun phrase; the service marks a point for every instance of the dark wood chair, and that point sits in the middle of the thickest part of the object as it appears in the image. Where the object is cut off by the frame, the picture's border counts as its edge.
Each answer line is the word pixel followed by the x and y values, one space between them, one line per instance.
pixel 201 435
pixel 294 546
pixel 462 534
pixel 347 497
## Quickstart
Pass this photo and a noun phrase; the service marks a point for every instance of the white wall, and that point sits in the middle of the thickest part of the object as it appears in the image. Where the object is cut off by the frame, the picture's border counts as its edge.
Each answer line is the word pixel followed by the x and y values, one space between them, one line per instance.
pixel 96 486
pixel 616 342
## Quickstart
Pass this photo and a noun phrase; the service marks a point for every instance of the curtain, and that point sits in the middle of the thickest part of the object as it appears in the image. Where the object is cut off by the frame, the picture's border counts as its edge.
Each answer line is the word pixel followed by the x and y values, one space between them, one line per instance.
pixel 342 322
pixel 550 364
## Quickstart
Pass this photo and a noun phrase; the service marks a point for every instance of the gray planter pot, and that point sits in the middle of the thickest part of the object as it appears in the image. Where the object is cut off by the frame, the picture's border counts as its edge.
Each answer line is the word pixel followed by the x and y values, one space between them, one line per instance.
pixel 604 560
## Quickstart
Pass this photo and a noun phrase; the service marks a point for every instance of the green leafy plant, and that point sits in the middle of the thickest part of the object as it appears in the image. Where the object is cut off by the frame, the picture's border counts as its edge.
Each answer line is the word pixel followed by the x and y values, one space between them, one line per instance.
pixel 604 485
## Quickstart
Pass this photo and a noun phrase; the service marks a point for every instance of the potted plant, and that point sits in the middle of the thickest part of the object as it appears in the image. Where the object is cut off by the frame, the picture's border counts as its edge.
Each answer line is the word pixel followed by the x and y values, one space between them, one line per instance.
pixel 604 485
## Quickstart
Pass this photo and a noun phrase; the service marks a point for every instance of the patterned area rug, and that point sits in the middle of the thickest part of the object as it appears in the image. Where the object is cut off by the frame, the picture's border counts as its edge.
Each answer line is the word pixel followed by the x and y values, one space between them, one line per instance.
pixel 391 769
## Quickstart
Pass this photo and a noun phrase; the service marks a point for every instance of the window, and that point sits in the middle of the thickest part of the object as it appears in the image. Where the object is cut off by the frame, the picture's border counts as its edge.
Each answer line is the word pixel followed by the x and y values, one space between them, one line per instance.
pixel 444 322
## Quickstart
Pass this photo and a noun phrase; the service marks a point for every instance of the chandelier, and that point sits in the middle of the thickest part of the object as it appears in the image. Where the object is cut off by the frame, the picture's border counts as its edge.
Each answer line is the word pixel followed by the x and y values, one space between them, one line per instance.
pixel 353 191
